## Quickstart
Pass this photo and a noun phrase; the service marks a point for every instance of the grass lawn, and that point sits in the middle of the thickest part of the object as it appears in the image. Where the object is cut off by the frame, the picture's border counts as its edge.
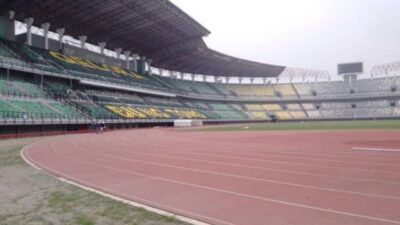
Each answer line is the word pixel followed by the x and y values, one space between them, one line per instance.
pixel 328 125
pixel 31 197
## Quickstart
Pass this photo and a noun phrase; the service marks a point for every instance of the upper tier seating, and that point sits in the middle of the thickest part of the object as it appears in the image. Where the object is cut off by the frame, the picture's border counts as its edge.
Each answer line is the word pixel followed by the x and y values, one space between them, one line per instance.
pixel 373 85
pixel 272 107
pixel 331 88
pixel 293 106
pixel 190 86
pixel 303 89
pixel 286 90
pixel 242 90
pixel 255 107
pixel 263 90
pixel 308 106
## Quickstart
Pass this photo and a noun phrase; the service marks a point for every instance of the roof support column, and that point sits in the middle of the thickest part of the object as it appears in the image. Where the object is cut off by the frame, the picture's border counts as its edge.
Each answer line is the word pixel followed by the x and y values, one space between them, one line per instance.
pixel 227 80
pixel 8 25
pixel 192 76
pixel 60 32
pixel 102 46
pixel 118 51
pixel 264 80
pixel 204 78
pixel 149 61
pixel 240 80
pixel 46 27
pixel 142 65
pixel 29 22
pixel 135 62
pixel 83 39
pixel 127 55
pixel 160 71
pixel 11 15
pixel 252 80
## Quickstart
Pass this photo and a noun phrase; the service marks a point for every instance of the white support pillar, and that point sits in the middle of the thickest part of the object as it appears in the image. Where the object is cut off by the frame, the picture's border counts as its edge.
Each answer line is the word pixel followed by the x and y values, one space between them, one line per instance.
pixel 134 61
pixel 149 62
pixel 11 15
pixel 127 55
pixel 83 39
pixel 118 51
pixel 102 46
pixel 143 64
pixel 60 32
pixel 29 22
pixel 46 27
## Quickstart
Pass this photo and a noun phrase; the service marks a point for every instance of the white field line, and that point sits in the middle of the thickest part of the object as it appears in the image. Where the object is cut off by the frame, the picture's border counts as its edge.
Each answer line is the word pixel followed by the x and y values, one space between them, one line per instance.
pixel 376 149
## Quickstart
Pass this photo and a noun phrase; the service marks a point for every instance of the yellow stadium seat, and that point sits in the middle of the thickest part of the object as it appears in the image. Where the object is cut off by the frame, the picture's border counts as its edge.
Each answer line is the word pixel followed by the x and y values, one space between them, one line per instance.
pixel 294 106
pixel 259 116
pixel 272 107
pixel 298 115
pixel 255 107
pixel 283 115
pixel 286 89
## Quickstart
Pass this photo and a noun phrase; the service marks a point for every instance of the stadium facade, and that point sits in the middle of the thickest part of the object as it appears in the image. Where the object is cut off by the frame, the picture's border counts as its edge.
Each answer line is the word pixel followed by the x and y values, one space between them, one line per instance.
pixel 59 84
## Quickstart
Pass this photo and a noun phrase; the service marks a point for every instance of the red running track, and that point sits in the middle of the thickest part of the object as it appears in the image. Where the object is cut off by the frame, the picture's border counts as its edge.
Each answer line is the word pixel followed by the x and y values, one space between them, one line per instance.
pixel 302 178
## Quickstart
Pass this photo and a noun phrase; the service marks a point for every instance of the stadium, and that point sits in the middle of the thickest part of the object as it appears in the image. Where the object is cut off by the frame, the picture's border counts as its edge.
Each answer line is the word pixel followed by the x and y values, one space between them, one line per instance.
pixel 263 143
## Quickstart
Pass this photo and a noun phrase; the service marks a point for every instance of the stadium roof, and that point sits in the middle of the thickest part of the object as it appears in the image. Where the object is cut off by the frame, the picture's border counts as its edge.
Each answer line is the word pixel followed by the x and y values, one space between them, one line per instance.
pixel 156 29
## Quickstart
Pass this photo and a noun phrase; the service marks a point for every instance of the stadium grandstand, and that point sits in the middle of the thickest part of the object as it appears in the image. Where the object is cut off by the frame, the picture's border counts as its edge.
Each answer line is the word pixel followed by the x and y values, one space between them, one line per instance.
pixel 58 74
pixel 281 144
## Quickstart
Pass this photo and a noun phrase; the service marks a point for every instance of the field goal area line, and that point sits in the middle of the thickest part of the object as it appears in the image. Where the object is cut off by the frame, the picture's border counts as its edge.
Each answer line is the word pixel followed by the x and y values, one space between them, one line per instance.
pixel 376 149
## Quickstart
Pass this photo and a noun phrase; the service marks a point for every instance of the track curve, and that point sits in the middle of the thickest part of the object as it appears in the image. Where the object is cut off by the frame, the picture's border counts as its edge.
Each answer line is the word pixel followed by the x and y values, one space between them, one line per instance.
pixel 304 178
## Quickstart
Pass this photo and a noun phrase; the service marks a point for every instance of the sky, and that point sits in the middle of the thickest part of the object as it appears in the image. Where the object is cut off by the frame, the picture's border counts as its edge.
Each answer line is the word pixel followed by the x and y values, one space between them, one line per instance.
pixel 314 34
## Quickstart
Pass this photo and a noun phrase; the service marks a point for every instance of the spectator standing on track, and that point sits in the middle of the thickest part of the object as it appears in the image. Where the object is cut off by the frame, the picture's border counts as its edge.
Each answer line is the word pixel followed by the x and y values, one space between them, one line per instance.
pixel 102 126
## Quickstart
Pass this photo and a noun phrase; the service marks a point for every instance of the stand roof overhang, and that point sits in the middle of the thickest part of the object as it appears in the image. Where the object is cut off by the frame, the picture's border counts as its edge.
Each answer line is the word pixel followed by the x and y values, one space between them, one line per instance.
pixel 156 29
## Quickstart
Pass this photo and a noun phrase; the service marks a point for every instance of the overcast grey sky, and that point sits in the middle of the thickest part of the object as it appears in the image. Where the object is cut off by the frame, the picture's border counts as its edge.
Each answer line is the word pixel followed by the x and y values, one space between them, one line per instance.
pixel 313 34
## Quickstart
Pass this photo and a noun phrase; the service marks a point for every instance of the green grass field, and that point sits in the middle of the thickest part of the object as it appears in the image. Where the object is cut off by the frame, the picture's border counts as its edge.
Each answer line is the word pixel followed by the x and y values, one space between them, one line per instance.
pixel 328 125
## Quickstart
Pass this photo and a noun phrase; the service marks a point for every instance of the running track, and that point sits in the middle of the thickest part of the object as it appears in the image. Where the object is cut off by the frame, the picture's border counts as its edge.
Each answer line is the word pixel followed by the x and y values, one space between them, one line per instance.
pixel 278 178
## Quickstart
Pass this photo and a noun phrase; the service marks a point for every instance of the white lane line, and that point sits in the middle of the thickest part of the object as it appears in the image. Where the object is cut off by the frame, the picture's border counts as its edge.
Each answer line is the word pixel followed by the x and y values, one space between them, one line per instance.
pixel 124 198
pixel 376 149
pixel 234 176
pixel 261 168
pixel 208 154
pixel 332 211
pixel 279 157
